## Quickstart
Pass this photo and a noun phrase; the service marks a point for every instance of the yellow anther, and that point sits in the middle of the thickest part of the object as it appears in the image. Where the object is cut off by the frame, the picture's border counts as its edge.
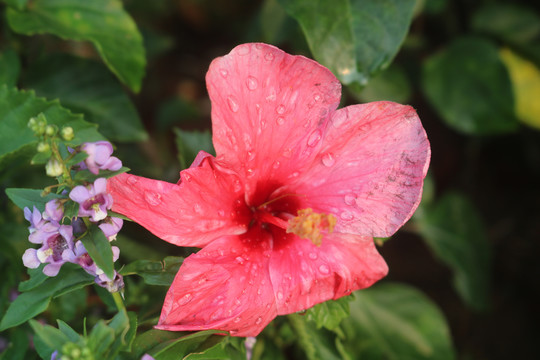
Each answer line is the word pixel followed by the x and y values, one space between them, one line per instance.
pixel 311 225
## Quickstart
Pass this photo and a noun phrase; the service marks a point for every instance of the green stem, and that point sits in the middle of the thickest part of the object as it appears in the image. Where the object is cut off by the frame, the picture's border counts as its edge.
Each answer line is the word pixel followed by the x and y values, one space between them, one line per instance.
pixel 118 301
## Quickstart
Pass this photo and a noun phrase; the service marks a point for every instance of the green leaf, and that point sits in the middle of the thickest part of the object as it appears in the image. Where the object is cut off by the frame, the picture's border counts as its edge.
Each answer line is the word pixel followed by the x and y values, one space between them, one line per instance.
pixel 86 175
pixel 316 344
pixel 50 336
pixel 10 67
pixel 329 314
pixel 179 348
pixel 124 325
pixel 470 87
pixel 18 4
pixel 99 248
pixel 155 272
pixel 16 109
pixel 189 144
pixel 17 346
pixel 393 321
pixel 30 198
pixel 77 158
pixel 103 22
pixel 71 334
pixel 37 277
pixel 453 229
pixel 100 339
pixel 86 87
pixel 35 301
pixel 71 209
pixel 353 38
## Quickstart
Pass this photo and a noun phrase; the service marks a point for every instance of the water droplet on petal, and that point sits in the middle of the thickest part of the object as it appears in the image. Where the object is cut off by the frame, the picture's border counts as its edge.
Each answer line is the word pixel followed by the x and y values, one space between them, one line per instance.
pixel 252 83
pixel 328 159
pixel 240 260
pixel 224 73
pixel 250 173
pixel 317 97
pixel 324 269
pixel 197 208
pixel 280 109
pixel 185 299
pixel 313 256
pixel 287 153
pixel 237 320
pixel 258 321
pixel 132 180
pixel 280 120
pixel 259 291
pixel 314 138
pixel 280 295
pixel 269 56
pixel 221 213
pixel 243 50
pixel 350 199
pixel 276 165
pixel 233 104
pixel 152 198
pixel 346 215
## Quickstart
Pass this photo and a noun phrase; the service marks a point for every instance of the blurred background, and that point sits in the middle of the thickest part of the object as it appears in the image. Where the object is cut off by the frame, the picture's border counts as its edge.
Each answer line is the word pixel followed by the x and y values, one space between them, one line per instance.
pixel 471 69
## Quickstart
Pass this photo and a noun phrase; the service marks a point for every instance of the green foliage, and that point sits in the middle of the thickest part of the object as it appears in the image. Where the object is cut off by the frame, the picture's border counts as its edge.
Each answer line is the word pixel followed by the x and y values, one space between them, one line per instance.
pixel 103 22
pixel 36 300
pixel 155 272
pixel 469 86
pixel 395 321
pixel 99 249
pixel 454 231
pixel 87 87
pixel 329 314
pixel 16 109
pixel 30 198
pixel 189 144
pixel 353 38
pixel 10 67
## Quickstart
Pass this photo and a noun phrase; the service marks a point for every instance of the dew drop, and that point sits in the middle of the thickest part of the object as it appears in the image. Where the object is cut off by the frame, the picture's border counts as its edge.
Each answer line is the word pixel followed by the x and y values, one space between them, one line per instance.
pixel 237 302
pixel 280 295
pixel 152 198
pixel 350 199
pixel 197 208
pixel 259 291
pixel 269 56
pixel 324 269
pixel 185 299
pixel 250 173
pixel 132 180
pixel 252 83
pixel 317 97
pixel 221 213
pixel 328 159
pixel 243 49
pixel 240 260
pixel 280 109
pixel 237 320
pixel 346 215
pixel 294 174
pixel 233 105
pixel 313 256
pixel 276 165
pixel 280 120
pixel 224 73
pixel 314 138
pixel 258 321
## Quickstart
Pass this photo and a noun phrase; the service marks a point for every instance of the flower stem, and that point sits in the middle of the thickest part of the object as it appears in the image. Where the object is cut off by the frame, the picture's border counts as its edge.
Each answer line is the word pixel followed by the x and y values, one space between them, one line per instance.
pixel 119 302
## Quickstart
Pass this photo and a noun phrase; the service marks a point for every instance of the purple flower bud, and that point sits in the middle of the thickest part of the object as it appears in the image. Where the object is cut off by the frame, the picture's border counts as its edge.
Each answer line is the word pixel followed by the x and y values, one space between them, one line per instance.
pixel 99 157
pixel 111 226
pixel 114 285
pixel 93 199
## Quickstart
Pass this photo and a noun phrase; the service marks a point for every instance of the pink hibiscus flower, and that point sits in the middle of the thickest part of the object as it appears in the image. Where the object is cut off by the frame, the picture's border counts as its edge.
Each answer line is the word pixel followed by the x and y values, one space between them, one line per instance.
pixel 287 210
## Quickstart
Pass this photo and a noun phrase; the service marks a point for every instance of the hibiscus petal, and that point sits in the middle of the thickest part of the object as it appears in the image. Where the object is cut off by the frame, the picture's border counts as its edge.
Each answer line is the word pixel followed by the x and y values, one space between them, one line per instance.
pixel 268 111
pixel 304 274
pixel 224 286
pixel 206 204
pixel 370 170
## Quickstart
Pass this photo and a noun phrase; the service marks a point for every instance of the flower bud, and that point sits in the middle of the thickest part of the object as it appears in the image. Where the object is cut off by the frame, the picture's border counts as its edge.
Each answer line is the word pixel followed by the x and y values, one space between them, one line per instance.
pixel 38 124
pixel 54 168
pixel 43 147
pixel 67 133
pixel 50 130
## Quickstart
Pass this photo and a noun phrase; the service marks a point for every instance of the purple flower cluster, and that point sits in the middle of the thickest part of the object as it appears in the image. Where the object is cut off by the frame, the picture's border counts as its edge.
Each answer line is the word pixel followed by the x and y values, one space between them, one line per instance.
pixel 57 240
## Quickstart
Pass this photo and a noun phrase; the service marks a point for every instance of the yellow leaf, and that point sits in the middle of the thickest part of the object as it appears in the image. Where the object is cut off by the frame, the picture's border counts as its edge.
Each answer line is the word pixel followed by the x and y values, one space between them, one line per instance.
pixel 525 77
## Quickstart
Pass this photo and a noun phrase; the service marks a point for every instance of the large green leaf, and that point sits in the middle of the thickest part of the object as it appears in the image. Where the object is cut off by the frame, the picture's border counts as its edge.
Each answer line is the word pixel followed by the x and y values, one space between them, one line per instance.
pixel 393 321
pixel 33 302
pixel 353 38
pixel 103 22
pixel 453 229
pixel 315 344
pixel 155 272
pixel 329 314
pixel 10 67
pixel 30 198
pixel 16 109
pixel 87 87
pixel 470 87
